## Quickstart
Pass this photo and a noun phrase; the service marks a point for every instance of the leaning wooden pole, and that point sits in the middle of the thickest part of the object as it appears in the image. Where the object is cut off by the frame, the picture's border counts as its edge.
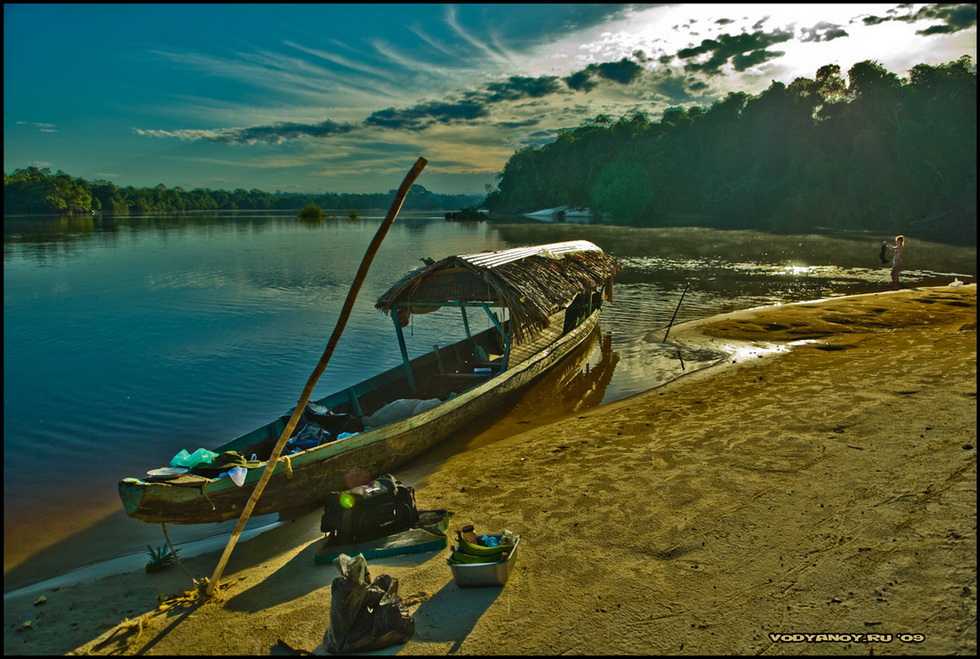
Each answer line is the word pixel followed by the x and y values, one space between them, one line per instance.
pixel 671 323
pixel 318 371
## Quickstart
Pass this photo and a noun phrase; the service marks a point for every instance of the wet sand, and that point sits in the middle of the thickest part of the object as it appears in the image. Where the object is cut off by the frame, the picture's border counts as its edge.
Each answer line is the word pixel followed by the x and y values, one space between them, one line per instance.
pixel 822 483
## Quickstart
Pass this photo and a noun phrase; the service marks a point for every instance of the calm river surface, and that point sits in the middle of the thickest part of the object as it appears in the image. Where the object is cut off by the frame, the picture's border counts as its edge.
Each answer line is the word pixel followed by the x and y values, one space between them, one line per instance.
pixel 128 339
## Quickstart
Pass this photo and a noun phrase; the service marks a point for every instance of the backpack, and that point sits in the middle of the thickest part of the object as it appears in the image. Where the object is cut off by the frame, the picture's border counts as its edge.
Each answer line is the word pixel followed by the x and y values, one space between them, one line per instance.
pixel 387 507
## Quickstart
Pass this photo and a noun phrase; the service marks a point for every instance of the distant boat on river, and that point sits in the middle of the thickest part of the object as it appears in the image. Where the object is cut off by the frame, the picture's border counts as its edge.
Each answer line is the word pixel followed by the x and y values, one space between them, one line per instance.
pixel 580 215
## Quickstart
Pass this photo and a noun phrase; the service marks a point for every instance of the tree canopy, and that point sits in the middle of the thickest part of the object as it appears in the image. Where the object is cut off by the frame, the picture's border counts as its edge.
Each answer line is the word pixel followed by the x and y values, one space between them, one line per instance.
pixel 870 151
pixel 38 191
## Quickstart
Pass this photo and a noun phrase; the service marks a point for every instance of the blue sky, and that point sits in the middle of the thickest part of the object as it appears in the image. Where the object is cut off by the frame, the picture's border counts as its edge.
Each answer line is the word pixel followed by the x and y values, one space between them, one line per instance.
pixel 344 97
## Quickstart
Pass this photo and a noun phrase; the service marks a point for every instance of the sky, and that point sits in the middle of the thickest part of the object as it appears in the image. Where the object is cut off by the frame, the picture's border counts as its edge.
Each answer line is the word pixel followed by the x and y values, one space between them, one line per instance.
pixel 345 97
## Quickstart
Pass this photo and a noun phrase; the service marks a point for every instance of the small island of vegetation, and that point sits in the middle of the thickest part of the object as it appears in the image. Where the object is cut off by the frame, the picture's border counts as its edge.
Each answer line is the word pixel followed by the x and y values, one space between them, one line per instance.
pixel 311 212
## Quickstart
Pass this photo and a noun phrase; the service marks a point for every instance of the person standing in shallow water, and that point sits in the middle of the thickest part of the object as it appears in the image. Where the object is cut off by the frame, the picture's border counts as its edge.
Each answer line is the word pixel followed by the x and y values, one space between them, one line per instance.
pixel 898 250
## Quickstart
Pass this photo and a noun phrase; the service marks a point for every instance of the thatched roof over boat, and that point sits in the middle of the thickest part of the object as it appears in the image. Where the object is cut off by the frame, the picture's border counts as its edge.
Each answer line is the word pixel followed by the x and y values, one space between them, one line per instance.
pixel 533 282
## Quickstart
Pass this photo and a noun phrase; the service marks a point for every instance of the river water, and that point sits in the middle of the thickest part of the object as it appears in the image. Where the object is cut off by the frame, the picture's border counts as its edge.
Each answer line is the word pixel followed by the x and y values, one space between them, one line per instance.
pixel 128 339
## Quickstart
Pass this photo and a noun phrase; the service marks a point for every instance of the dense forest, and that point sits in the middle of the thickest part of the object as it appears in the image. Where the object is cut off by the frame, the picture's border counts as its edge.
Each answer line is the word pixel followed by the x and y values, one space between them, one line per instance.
pixel 38 191
pixel 874 151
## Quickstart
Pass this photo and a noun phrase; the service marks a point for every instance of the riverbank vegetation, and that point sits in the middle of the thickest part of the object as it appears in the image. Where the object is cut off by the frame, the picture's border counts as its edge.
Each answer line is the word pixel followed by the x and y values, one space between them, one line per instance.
pixel 872 151
pixel 38 191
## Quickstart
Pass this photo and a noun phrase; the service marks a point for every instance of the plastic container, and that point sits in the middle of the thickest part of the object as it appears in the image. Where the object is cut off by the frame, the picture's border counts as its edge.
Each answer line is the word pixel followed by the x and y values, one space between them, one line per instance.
pixel 471 575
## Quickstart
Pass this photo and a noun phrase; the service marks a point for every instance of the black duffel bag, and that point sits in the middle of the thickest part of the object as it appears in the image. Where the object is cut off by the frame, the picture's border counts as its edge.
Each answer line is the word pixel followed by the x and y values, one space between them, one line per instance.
pixel 384 507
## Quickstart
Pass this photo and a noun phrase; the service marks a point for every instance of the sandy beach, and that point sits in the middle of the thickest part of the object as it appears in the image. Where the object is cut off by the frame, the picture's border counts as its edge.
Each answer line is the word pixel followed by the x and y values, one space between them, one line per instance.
pixel 823 482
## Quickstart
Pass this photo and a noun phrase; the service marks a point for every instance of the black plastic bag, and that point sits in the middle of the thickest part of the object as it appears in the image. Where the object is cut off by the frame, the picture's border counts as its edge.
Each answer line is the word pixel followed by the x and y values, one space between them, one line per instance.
pixel 365 615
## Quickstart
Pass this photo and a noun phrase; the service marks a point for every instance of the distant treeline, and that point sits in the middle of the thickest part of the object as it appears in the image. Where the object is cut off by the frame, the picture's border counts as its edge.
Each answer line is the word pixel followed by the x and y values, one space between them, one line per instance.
pixel 875 151
pixel 38 191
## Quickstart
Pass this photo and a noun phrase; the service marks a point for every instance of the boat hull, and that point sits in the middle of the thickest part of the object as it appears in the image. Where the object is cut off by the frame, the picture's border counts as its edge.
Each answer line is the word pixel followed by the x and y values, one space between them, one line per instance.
pixel 304 479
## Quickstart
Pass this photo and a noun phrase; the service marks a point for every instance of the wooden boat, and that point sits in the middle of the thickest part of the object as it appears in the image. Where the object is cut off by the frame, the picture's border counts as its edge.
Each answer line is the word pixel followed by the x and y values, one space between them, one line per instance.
pixel 542 301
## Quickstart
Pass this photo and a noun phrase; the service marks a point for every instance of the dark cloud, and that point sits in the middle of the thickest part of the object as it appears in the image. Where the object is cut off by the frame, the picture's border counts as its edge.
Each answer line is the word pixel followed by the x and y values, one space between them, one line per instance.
pixel 476 105
pixel 954 17
pixel 580 81
pixel 540 137
pixel 280 132
pixel 697 86
pixel 674 88
pixel 822 32
pixel 471 106
pixel 743 50
pixel 519 124
pixel 836 33
pixel 744 61
pixel 517 88
pixel 624 72
pixel 426 114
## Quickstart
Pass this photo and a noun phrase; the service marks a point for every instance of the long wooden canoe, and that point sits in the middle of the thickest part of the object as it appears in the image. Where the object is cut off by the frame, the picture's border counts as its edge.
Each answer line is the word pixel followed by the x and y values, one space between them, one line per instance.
pixel 543 301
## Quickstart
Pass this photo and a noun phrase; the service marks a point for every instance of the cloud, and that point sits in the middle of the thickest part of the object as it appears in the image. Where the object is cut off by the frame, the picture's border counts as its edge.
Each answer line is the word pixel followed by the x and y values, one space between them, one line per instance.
pixel 280 132
pixel 954 18
pixel 624 72
pixel 742 50
pixel 513 125
pixel 274 133
pixel 469 107
pixel 424 115
pixel 532 99
pixel 822 31
pixel 519 87
pixel 41 127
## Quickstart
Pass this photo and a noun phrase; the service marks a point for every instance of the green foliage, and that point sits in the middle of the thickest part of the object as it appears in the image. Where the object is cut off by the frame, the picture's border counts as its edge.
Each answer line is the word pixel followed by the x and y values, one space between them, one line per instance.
pixel 623 190
pixel 38 191
pixel 160 558
pixel 873 152
pixel 310 212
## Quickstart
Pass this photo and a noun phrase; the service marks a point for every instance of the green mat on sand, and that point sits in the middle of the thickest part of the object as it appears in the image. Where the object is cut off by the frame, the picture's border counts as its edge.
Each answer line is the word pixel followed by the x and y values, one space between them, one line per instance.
pixel 428 534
